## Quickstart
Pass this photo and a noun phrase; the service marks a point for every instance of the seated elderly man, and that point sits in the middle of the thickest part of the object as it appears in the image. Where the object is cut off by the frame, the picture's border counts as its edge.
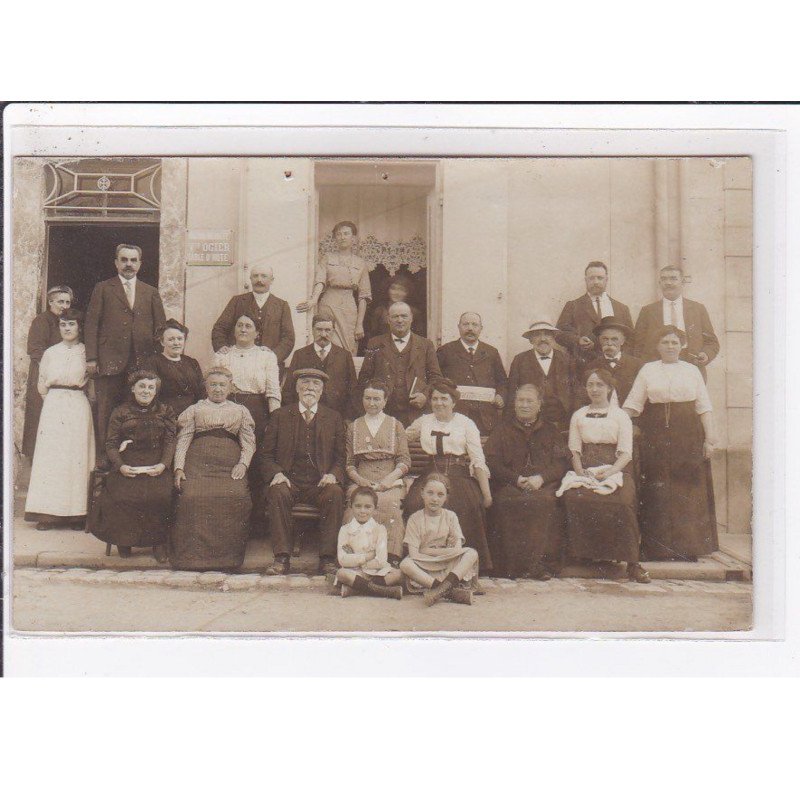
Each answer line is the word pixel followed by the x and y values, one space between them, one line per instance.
pixel 302 461
pixel 527 459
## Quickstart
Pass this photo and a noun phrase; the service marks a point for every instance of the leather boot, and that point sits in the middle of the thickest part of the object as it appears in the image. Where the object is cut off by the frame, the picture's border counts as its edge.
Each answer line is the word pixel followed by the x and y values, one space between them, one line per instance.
pixel 437 593
pixel 393 592
pixel 463 596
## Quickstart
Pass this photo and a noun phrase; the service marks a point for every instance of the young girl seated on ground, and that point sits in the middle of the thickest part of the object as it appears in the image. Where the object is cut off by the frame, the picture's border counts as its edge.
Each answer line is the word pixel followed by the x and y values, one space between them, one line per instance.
pixel 437 560
pixel 362 552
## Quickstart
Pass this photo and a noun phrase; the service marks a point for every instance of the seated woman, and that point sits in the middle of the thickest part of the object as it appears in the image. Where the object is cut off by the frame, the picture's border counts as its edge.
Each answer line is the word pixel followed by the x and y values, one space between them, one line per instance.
pixel 678 516
pixel 362 553
pixel 181 376
pixel 64 455
pixel 437 560
pixel 601 501
pixel 256 386
pixel 378 458
pixel 527 460
pixel 216 442
pixel 135 506
pixel 453 445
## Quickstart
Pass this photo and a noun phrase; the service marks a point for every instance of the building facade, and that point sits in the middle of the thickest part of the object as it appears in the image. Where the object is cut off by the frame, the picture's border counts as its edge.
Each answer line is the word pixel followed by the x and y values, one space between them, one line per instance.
pixel 508 238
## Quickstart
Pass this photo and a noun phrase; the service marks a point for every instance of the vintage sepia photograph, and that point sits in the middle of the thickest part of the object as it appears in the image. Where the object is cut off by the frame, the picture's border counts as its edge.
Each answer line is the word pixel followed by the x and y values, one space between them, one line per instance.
pixel 403 394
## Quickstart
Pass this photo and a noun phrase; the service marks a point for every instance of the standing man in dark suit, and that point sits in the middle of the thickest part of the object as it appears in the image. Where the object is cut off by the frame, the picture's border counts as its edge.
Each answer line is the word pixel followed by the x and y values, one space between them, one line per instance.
pixel 470 362
pixel 406 362
pixel 334 361
pixel 43 333
pixel 122 319
pixel 579 317
pixel 550 371
pixel 272 315
pixel 691 317
pixel 303 459
pixel 612 334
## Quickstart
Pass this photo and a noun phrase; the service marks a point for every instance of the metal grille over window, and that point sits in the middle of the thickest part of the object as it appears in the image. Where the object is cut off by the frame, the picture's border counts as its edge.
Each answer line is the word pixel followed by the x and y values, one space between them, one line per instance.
pixel 129 187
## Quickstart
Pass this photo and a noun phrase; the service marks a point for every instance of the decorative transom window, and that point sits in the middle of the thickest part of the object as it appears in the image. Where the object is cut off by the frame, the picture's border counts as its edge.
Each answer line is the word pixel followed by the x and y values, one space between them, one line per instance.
pixel 119 187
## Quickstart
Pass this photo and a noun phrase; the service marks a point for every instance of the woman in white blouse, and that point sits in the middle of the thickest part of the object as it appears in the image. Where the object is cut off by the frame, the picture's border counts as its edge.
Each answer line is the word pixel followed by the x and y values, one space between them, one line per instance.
pixel 601 505
pixel 256 386
pixel 678 516
pixel 214 449
pixel 453 443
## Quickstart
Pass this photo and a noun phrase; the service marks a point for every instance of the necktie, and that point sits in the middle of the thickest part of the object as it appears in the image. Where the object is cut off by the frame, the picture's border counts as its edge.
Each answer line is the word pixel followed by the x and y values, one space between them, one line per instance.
pixel 308 415
pixel 323 354
pixel 597 305
pixel 128 292
pixel 471 354
pixel 673 314
pixel 439 436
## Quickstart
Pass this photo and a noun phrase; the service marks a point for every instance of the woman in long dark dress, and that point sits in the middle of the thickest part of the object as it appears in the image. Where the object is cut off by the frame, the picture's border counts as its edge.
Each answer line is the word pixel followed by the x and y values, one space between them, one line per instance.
pixel 602 524
pixel 134 508
pixel 181 376
pixel 678 517
pixel 216 442
pixel 453 444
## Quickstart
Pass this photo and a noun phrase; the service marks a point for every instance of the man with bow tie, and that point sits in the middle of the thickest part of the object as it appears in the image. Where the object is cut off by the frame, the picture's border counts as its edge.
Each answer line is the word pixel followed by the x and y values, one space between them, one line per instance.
pixel 119 332
pixel 612 334
pixel 549 370
pixel 334 361
pixel 579 317
pixel 468 361
pixel 406 361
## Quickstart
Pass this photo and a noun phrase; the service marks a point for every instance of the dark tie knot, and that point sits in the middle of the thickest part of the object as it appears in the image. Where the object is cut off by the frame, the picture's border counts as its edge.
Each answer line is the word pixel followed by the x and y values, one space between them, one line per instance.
pixel 544 358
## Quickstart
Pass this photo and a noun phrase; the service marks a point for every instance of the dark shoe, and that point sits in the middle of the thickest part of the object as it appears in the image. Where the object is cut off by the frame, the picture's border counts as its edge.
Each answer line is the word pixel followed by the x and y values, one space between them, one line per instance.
pixel 476 587
pixel 327 566
pixel 539 572
pixel 459 595
pixel 77 526
pixel 160 553
pixel 44 526
pixel 124 552
pixel 637 573
pixel 280 566
pixel 437 593
pixel 392 592
pixel 394 561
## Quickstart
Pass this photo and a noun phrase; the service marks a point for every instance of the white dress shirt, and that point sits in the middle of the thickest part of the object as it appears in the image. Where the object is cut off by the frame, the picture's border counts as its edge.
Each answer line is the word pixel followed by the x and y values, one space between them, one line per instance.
pixel 322 352
pixel 463 437
pixel 468 346
pixel 261 298
pixel 666 306
pixel 606 309
pixel 545 362
pixel 255 371
pixel 132 284
pixel 401 345
pixel 658 382
pixel 313 409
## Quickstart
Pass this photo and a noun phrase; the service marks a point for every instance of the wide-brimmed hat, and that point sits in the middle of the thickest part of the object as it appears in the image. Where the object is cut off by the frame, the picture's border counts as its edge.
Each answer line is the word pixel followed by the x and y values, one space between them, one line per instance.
pixel 612 322
pixel 540 325
pixel 309 372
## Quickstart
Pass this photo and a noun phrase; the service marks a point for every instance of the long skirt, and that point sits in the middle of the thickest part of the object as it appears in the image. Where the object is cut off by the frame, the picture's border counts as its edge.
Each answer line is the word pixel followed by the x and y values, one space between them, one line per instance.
pixel 678 516
pixel 603 527
pixel 64 456
pixel 530 526
pixel 341 305
pixel 212 513
pixel 465 499
pixel 134 512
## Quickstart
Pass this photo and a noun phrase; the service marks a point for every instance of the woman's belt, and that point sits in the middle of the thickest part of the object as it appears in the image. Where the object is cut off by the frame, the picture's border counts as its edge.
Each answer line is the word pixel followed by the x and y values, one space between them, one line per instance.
pixel 450 463
pixel 219 432
pixel 61 386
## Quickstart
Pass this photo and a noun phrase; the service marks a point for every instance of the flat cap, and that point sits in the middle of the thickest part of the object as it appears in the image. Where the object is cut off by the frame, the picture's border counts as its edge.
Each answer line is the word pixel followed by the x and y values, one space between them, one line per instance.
pixel 310 372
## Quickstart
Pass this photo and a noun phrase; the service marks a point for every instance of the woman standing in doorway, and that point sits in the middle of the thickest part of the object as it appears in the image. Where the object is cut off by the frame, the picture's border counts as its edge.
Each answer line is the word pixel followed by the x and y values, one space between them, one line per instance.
pixel 342 287
pixel 64 455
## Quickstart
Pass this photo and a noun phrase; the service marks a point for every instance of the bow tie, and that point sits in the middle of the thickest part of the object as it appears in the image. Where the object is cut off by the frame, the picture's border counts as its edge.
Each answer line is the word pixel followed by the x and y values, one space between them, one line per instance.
pixel 399 341
pixel 543 358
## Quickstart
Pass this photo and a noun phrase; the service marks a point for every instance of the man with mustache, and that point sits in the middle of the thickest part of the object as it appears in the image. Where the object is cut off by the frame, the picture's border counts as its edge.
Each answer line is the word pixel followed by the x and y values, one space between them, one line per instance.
pixel 334 361
pixel 612 334
pixel 122 319
pixel 302 461
pixel 271 313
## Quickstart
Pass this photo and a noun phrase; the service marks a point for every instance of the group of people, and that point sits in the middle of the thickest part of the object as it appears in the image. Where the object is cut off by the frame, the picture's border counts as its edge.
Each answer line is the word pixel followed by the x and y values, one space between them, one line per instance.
pixel 594 447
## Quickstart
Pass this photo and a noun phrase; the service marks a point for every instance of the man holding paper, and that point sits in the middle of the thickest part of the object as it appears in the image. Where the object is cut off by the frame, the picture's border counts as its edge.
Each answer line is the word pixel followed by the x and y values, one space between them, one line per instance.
pixel 478 371
pixel 406 361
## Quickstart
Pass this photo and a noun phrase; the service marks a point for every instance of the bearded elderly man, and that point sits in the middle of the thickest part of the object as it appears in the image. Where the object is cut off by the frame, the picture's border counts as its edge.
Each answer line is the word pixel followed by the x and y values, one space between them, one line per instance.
pixel 527 458
pixel 302 460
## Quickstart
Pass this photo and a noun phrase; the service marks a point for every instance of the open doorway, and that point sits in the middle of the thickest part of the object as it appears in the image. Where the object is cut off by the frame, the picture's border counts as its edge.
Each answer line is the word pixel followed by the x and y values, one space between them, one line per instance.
pixel 389 201
pixel 80 254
